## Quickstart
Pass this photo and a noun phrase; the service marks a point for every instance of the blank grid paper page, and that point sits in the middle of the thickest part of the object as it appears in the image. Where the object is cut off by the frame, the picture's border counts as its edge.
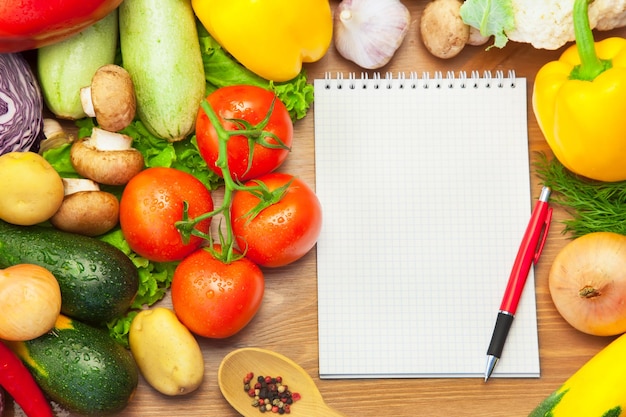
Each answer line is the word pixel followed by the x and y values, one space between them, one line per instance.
pixel 426 196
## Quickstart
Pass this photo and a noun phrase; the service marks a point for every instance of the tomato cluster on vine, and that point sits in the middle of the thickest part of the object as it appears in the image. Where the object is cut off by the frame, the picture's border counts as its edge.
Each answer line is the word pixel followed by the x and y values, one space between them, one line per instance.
pixel 268 219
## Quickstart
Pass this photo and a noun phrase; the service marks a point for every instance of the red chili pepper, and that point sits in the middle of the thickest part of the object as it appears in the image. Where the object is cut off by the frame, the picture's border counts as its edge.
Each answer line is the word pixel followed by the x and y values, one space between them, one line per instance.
pixel 20 384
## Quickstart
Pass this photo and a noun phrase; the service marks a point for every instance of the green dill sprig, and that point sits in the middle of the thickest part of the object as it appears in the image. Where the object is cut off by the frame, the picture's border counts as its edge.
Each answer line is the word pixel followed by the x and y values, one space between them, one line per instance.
pixel 595 206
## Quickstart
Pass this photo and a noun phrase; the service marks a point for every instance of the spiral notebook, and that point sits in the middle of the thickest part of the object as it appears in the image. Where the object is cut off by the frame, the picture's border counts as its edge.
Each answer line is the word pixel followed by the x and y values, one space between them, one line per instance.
pixel 425 186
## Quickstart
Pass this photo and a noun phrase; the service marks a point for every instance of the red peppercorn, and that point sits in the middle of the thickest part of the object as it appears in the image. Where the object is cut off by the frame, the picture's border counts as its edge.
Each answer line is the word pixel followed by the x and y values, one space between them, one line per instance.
pixel 248 378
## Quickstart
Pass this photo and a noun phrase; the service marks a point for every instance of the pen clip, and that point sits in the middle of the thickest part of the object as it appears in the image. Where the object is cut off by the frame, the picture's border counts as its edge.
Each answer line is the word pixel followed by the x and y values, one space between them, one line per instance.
pixel 544 236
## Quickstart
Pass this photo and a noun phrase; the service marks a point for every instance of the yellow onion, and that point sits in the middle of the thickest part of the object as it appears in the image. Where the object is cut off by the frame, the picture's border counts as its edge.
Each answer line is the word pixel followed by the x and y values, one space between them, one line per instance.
pixel 30 300
pixel 587 283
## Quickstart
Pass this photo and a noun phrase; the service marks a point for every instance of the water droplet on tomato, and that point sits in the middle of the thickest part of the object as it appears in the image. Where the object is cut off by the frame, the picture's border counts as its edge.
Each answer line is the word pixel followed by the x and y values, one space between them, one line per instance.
pixel 210 294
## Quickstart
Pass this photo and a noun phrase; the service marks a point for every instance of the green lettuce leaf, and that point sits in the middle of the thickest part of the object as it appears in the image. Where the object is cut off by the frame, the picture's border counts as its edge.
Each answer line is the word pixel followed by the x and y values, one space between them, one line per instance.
pixel 182 155
pixel 59 158
pixel 491 17
pixel 155 279
pixel 222 70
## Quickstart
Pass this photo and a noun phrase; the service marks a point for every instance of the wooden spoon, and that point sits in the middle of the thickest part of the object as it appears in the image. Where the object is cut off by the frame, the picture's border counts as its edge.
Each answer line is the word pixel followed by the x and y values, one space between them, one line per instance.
pixel 238 363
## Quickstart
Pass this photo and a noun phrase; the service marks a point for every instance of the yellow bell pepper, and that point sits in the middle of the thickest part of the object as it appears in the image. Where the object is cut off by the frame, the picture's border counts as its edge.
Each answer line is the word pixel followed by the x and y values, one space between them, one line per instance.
pixel 580 103
pixel 271 38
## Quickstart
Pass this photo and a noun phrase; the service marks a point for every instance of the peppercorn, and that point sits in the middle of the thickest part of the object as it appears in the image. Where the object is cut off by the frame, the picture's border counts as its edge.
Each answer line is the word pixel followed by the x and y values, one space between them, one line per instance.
pixel 270 394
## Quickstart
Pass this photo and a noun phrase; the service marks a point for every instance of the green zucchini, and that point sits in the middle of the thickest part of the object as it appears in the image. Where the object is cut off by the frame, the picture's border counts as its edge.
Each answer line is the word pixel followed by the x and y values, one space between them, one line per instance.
pixel 80 367
pixel 98 281
pixel 161 51
pixel 65 67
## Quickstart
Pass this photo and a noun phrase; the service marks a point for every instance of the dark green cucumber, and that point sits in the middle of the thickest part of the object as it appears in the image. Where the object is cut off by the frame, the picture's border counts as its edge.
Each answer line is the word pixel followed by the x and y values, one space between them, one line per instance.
pixel 80 367
pixel 98 281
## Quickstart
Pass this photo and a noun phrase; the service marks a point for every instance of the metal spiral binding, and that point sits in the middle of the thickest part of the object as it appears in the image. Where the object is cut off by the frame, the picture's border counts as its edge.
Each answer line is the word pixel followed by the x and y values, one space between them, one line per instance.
pixel 436 80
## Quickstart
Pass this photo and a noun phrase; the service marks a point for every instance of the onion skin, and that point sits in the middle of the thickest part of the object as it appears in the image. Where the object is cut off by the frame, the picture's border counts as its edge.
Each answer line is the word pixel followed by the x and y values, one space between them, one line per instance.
pixel 30 297
pixel 587 283
pixel 21 105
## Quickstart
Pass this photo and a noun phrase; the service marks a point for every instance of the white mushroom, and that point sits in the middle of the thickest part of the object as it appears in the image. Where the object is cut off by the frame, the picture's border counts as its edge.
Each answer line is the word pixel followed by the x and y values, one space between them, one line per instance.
pixel 54 134
pixel 110 98
pixel 86 210
pixel 476 38
pixel 106 157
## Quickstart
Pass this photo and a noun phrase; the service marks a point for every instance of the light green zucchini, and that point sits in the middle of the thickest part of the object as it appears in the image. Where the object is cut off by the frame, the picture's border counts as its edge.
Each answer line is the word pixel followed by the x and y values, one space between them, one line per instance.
pixel 65 67
pixel 161 51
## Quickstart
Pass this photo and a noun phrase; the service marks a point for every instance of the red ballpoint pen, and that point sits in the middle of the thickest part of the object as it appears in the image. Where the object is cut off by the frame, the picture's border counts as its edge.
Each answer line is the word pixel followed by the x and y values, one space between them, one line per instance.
pixel 528 254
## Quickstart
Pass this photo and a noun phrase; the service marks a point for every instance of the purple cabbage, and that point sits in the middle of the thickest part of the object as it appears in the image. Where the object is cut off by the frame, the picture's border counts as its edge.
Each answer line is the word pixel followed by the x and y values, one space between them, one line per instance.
pixel 21 105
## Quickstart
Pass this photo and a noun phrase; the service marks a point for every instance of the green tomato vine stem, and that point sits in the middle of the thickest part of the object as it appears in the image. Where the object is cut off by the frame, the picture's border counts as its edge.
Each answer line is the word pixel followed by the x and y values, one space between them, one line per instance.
pixel 255 134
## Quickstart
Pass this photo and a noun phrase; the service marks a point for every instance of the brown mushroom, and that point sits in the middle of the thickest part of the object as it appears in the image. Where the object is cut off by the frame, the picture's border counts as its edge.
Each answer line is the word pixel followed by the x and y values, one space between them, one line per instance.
pixel 110 98
pixel 443 31
pixel 106 157
pixel 86 210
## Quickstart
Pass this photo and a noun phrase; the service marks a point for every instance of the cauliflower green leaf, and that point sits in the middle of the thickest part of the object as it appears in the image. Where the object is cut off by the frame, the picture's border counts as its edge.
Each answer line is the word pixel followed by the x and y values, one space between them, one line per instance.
pixel 491 17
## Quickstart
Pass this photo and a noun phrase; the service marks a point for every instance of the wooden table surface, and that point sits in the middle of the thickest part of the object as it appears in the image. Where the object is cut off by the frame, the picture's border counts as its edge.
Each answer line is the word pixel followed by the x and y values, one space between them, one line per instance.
pixel 287 320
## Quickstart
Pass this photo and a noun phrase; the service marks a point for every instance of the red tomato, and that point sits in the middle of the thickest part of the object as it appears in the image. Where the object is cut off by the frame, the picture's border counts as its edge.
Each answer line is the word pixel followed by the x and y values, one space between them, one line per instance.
pixel 214 299
pixel 152 202
pixel 30 24
pixel 283 232
pixel 251 104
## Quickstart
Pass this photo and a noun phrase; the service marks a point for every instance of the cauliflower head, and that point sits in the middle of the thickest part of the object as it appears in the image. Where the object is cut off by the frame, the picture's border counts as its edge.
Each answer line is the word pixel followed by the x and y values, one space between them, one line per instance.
pixel 549 24
pixel 545 24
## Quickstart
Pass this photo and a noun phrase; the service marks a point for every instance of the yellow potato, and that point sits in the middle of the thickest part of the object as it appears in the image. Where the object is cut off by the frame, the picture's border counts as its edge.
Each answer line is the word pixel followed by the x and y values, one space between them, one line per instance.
pixel 31 191
pixel 167 354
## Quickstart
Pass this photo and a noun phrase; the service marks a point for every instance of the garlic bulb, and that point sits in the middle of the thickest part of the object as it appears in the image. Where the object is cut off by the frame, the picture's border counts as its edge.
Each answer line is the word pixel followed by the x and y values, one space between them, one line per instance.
pixel 368 32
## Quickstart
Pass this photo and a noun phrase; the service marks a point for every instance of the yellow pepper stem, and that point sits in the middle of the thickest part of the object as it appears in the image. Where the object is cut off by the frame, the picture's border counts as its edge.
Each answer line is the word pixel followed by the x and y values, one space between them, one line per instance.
pixel 591 66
